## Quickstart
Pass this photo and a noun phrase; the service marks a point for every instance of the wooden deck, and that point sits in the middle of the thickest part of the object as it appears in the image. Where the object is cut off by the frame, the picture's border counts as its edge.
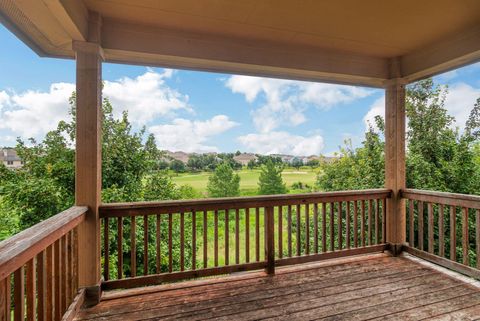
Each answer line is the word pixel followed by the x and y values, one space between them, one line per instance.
pixel 357 288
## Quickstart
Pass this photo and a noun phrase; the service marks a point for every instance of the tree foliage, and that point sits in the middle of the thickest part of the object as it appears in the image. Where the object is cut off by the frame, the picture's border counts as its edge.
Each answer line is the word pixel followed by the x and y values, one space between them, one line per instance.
pixel 439 156
pixel 45 185
pixel 270 180
pixel 224 182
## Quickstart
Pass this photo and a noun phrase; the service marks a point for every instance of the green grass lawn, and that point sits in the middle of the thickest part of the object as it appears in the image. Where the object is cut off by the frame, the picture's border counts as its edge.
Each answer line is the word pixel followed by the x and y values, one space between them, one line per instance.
pixel 248 179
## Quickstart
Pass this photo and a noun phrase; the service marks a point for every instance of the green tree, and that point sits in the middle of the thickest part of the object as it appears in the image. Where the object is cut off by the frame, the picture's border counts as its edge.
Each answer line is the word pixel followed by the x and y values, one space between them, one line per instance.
pixel 177 166
pixel 224 182
pixel 297 163
pixel 251 164
pixel 270 180
pixel 313 163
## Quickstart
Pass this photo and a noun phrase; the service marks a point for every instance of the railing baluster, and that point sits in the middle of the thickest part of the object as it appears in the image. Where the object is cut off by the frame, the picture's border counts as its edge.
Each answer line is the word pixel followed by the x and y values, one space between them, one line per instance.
pixel 106 256
pixel 430 227
pixel 70 273
pixel 355 223
pixel 19 293
pixel 332 227
pixel 315 227
pixel 5 299
pixel 158 244
pixel 247 235
pixel 411 214
pixel 257 234
pixel 58 280
pixel 362 223
pixel 227 245
pixel 120 247
pixel 63 269
pixel 441 231
pixel 465 239
pixel 133 247
pixel 170 253
pixel 377 222
pixel 324 227
pixel 31 289
pixel 370 208
pixel 384 220
pixel 453 234
pixel 205 238
pixel 237 236
pixel 194 240
pixel 307 229
pixel 347 225
pixel 145 245
pixel 75 262
pixel 340 229
pixel 41 287
pixel 49 302
pixel 477 236
pixel 420 225
pixel 280 232
pixel 289 230
pixel 182 241
pixel 216 238
pixel 299 228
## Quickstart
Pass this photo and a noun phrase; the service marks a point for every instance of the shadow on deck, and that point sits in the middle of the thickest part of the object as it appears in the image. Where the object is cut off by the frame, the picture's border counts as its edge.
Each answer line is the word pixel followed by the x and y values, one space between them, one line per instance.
pixel 375 286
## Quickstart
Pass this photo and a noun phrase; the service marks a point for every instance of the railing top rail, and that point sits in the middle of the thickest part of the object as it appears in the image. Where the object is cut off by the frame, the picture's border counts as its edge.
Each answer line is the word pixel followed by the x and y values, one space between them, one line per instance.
pixel 454 199
pixel 143 208
pixel 17 250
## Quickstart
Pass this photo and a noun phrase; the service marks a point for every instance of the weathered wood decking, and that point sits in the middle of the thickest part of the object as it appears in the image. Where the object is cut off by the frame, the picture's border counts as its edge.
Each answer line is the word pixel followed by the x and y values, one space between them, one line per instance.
pixel 356 288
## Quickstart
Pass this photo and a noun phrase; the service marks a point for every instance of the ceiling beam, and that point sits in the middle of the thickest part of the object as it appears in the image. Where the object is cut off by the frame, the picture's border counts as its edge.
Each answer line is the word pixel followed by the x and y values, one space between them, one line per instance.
pixel 453 52
pixel 132 43
pixel 72 15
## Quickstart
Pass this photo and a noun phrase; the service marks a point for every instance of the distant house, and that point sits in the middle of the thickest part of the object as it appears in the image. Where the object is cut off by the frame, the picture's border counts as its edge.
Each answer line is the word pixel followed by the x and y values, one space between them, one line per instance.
pixel 9 158
pixel 244 158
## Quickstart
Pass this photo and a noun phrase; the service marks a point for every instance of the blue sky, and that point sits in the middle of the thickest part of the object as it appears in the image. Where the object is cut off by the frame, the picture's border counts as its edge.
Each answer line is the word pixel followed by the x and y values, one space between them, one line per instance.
pixel 198 111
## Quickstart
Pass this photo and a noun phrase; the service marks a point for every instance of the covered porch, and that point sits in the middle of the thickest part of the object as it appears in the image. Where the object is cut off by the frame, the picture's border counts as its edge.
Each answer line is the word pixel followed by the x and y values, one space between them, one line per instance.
pixel 339 255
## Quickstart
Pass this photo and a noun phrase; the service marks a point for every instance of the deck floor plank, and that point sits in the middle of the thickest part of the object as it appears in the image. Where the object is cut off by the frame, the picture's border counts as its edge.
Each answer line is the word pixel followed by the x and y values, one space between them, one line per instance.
pixel 365 287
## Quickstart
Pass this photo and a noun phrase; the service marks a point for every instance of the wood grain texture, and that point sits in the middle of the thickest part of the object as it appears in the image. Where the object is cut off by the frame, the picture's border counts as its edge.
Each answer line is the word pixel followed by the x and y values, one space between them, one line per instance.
pixel 340 289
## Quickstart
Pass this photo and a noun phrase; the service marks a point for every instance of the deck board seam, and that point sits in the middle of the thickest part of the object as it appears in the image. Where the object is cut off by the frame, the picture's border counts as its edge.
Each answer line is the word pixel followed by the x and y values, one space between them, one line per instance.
pixel 280 272
pixel 152 296
pixel 293 302
pixel 425 305
pixel 414 268
pixel 391 302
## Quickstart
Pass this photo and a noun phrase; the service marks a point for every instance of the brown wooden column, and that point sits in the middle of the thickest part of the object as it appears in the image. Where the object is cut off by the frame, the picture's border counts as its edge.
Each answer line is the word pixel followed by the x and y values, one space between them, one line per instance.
pixel 88 163
pixel 395 162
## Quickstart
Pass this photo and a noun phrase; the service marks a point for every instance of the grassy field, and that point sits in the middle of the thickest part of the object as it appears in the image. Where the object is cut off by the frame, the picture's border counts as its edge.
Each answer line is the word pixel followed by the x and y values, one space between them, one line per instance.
pixel 248 179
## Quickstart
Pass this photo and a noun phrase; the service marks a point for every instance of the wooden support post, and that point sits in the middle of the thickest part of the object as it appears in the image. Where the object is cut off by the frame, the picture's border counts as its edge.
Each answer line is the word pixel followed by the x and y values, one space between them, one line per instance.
pixel 395 162
pixel 88 157
pixel 270 242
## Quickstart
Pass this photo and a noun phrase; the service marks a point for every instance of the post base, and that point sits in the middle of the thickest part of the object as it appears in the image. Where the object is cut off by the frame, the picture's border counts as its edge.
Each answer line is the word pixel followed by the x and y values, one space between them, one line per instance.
pixel 92 295
pixel 396 248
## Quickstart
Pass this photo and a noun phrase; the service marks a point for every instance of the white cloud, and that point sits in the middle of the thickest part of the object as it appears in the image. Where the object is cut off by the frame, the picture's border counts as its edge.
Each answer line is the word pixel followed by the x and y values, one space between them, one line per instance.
pixel 377 109
pixel 287 100
pixel 33 113
pixel 4 99
pixel 191 136
pixel 145 97
pixel 279 142
pixel 460 100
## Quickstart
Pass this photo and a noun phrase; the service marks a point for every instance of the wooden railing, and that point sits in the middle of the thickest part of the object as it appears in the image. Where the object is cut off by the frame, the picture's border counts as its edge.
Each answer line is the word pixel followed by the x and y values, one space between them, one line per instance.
pixel 150 243
pixel 38 269
pixel 444 228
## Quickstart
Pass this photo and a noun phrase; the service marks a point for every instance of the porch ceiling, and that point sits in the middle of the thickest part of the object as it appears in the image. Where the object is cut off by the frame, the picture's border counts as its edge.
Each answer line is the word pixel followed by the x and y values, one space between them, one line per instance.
pixel 346 41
